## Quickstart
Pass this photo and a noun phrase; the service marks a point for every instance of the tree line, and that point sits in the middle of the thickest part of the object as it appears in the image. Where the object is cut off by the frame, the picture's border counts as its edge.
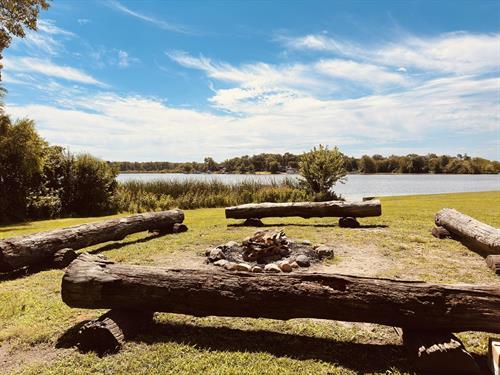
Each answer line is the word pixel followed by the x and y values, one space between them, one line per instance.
pixel 283 163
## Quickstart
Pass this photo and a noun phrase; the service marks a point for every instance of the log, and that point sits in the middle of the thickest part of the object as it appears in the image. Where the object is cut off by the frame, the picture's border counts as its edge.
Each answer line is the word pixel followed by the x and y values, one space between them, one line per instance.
pixel 305 209
pixel 108 333
pixel 62 258
pixel 493 261
pixel 39 248
pixel 476 235
pixel 96 283
pixel 438 352
pixel 494 355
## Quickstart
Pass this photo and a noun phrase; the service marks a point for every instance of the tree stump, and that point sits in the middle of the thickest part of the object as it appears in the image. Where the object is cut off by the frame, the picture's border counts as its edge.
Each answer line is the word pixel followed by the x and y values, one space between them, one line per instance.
pixel 493 261
pixel 348 222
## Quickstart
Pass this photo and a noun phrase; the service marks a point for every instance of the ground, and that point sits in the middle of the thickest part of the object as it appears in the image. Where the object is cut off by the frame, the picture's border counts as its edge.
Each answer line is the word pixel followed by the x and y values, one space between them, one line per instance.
pixel 35 324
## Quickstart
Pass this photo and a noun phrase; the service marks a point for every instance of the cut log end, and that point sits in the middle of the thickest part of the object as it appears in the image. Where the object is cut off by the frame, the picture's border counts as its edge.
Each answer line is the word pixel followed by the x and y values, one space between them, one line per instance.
pixel 108 333
pixel 348 222
pixel 438 353
pixel 440 232
pixel 62 258
pixel 493 261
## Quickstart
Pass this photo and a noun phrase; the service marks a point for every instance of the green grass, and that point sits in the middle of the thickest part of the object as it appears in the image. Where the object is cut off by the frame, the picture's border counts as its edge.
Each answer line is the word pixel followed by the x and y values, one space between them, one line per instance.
pixel 398 244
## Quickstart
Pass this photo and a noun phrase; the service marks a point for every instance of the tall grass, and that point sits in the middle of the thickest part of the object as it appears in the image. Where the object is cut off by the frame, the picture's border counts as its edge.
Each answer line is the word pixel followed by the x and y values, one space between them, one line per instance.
pixel 140 196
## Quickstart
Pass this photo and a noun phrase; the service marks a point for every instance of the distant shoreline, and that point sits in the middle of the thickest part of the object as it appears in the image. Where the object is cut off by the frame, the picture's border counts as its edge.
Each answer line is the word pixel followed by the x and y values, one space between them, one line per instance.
pixel 296 174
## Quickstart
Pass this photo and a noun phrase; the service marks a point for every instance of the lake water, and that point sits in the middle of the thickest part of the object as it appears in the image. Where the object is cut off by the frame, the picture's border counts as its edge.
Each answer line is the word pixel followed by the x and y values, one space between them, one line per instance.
pixel 356 186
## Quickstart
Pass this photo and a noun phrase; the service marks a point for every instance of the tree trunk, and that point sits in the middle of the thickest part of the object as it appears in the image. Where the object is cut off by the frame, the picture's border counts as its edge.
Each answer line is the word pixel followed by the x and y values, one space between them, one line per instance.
pixel 108 333
pixel 94 282
pixel 438 352
pixel 38 248
pixel 493 261
pixel 305 209
pixel 476 235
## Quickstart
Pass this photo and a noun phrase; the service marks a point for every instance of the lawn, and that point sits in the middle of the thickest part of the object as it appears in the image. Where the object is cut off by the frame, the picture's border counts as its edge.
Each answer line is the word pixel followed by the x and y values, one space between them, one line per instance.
pixel 35 324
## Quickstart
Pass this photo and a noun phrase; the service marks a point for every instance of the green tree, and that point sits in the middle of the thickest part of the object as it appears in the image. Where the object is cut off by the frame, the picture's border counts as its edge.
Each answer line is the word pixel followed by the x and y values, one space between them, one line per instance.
pixel 15 16
pixel 321 169
pixel 367 165
pixel 22 153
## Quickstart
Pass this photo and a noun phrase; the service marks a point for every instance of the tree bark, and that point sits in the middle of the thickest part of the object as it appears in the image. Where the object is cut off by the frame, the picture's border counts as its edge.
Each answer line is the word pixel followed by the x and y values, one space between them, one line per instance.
pixel 38 248
pixel 93 282
pixel 305 209
pixel 476 235
pixel 438 352
pixel 108 333
pixel 493 261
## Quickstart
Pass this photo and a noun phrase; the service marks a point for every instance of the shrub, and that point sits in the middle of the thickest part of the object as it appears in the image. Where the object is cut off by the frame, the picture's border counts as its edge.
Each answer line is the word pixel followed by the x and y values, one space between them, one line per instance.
pixel 321 169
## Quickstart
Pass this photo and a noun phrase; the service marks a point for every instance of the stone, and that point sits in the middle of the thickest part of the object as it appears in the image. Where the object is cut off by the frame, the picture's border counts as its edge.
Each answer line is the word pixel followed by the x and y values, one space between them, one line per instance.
pixel 230 266
pixel 221 263
pixel 348 222
pixel 252 222
pixel 231 244
pixel 306 242
pixel 272 267
pixel 257 269
pixel 294 265
pixel 324 251
pixel 440 232
pixel 208 250
pixel 243 267
pixel 179 228
pixel 303 260
pixel 216 254
pixel 285 266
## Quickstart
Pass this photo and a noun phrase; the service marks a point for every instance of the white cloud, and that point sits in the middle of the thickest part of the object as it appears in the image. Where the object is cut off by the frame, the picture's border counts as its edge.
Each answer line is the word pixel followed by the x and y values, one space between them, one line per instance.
pixel 83 21
pixel 46 40
pixel 455 53
pixel 162 24
pixel 48 68
pixel 123 59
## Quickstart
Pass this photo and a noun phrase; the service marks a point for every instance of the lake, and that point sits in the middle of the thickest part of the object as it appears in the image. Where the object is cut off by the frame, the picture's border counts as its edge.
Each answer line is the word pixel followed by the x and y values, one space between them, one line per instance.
pixel 356 186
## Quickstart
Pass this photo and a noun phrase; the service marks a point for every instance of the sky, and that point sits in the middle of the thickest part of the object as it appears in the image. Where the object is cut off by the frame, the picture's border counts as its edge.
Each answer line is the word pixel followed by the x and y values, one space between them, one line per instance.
pixel 182 80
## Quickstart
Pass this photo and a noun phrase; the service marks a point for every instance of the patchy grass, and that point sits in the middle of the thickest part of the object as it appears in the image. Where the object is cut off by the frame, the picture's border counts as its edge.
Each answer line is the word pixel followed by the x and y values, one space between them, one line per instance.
pixel 33 319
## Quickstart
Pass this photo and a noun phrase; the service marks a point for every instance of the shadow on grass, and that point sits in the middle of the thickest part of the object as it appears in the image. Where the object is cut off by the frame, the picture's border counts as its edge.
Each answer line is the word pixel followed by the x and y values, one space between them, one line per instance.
pixel 312 225
pixel 358 357
pixel 119 245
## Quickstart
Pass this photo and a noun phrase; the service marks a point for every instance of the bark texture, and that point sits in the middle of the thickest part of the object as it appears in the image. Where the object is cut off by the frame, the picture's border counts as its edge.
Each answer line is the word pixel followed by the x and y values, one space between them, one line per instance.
pixel 305 209
pixel 478 236
pixel 108 333
pixel 438 352
pixel 38 248
pixel 493 261
pixel 94 282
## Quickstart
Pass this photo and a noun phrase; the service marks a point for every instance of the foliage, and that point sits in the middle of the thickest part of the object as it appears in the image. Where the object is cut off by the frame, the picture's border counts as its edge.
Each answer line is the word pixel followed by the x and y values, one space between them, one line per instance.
pixel 21 166
pixel 277 163
pixel 15 16
pixel 321 169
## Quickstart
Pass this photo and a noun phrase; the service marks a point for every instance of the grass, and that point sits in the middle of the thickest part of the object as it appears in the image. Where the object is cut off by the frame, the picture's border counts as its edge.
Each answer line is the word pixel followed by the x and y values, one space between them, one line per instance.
pixel 33 319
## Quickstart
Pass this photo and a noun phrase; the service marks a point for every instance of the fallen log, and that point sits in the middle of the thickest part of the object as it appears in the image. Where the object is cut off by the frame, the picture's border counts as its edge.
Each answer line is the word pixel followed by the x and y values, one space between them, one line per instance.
pixel 493 261
pixel 476 235
pixel 108 333
pixel 38 248
pixel 94 282
pixel 438 352
pixel 305 209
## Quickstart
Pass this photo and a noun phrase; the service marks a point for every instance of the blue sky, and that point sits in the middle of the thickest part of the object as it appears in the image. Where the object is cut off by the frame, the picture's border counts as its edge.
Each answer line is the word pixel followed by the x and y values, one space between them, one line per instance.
pixel 181 80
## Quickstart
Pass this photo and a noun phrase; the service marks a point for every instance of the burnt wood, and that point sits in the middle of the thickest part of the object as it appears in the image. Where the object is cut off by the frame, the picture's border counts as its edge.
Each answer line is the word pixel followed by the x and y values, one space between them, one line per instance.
pixel 476 235
pixel 94 282
pixel 38 248
pixel 305 209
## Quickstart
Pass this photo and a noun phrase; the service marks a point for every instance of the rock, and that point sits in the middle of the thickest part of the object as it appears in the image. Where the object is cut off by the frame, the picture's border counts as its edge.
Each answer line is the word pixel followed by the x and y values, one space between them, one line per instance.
pixel 324 251
pixel 257 269
pixel 253 223
pixel 294 265
pixel 348 222
pixel 243 267
pixel 440 232
pixel 231 244
pixel 306 242
pixel 230 266
pixel 179 228
pixel 285 266
pixel 216 254
pixel 272 267
pixel 303 261
pixel 220 263
pixel 208 250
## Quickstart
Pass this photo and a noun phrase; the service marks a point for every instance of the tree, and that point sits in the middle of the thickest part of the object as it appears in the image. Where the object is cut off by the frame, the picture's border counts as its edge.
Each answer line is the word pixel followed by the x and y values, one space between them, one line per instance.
pixel 367 164
pixel 321 169
pixel 15 16
pixel 210 165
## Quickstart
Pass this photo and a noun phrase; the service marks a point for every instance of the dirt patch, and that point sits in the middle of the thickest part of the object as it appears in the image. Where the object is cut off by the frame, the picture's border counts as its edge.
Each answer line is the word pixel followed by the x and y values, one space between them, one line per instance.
pixel 12 359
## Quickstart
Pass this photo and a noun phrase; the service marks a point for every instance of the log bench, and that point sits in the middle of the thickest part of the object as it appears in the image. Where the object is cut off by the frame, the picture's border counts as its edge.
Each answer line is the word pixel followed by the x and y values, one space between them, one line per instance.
pixel 57 246
pixel 346 211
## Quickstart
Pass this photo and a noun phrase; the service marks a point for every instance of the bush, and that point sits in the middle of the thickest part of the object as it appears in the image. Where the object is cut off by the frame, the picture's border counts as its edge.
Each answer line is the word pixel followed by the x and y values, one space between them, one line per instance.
pixel 321 169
